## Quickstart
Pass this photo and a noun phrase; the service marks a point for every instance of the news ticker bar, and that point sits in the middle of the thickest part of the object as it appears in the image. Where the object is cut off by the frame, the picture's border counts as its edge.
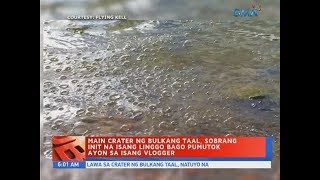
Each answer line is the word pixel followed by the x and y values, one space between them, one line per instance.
pixel 161 152
pixel 161 164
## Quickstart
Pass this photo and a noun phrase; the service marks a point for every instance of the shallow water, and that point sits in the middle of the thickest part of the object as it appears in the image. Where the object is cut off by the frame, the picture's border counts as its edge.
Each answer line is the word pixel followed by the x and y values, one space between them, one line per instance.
pixel 166 77
pixel 161 78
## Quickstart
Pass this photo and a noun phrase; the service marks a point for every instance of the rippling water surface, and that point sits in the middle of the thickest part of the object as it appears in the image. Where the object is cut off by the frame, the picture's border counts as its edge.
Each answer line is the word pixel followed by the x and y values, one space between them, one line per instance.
pixel 161 78
pixel 215 75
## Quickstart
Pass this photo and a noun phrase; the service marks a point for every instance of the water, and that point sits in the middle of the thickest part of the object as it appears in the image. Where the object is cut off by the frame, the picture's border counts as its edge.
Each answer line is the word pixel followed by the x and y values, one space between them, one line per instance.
pixel 215 75
pixel 161 78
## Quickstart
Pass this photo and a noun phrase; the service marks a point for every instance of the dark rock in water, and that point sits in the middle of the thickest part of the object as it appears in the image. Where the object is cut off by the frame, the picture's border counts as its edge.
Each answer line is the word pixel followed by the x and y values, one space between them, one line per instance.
pixel 265 109
pixel 257 97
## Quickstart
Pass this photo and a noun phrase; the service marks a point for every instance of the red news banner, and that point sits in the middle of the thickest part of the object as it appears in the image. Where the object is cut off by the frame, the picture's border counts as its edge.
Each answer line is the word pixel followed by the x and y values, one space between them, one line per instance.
pixel 206 147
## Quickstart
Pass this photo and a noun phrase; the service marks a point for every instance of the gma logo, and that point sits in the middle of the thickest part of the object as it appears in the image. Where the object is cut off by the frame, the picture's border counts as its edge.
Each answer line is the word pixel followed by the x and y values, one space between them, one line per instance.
pixel 245 12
